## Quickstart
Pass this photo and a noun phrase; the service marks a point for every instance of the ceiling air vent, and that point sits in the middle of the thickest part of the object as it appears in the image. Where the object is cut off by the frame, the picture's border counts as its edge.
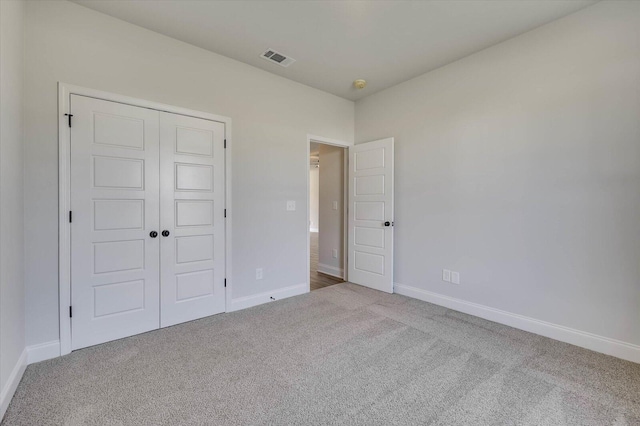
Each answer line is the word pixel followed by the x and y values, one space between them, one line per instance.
pixel 277 57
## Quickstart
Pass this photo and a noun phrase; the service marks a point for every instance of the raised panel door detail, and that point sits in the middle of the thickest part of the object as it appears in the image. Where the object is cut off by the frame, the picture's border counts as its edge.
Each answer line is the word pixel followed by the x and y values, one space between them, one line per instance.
pixel 193 285
pixel 194 177
pixel 369 210
pixel 371 159
pixel 118 298
pixel 115 130
pixel 117 256
pixel 118 173
pixel 194 142
pixel 371 237
pixel 194 213
pixel 369 185
pixel 370 240
pixel 110 215
pixel 196 248
pixel 367 262
pixel 115 199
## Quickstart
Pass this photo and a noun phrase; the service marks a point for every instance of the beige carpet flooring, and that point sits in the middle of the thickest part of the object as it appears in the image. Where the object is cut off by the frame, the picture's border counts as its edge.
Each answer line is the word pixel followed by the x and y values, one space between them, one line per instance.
pixel 341 355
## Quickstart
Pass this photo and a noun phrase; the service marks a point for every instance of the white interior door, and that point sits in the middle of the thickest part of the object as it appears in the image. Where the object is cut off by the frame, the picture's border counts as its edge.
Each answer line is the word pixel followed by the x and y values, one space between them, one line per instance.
pixel 192 217
pixel 370 210
pixel 115 207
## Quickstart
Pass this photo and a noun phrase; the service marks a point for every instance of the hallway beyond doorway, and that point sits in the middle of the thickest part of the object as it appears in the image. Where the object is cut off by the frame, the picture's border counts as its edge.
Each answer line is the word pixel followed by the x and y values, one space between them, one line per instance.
pixel 318 279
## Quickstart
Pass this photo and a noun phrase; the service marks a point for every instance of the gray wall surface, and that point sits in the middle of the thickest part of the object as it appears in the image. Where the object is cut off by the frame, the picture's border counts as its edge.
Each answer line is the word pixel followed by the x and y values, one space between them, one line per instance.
pixel 12 314
pixel 271 119
pixel 519 167
pixel 314 197
pixel 331 235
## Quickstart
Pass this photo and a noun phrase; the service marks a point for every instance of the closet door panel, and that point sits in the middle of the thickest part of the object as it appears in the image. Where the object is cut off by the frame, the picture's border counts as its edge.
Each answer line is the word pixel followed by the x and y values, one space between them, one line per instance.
pixel 192 218
pixel 115 288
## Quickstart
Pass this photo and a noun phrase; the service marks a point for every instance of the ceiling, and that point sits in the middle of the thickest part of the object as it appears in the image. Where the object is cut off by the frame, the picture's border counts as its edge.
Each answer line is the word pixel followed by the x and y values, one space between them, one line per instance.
pixel 336 42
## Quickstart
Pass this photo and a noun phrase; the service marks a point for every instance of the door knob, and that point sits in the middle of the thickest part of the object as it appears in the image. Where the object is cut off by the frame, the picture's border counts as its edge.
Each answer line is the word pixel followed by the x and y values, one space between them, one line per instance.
pixel 153 234
pixel 387 224
pixel 165 233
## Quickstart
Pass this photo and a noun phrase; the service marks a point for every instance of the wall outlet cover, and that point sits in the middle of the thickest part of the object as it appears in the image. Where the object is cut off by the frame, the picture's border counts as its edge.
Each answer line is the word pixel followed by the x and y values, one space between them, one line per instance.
pixel 291 206
pixel 455 277
pixel 446 275
pixel 334 253
pixel 258 273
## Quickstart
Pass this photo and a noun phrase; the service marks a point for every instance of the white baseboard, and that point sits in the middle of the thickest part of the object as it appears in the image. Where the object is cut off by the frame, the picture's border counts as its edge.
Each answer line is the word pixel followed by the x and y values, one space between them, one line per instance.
pixel 12 383
pixel 591 341
pixel 267 296
pixel 43 351
pixel 331 270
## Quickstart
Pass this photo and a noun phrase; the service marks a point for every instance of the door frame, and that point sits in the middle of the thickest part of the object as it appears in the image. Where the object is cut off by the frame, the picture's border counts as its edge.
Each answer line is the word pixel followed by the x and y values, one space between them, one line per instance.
pixel 64 191
pixel 341 144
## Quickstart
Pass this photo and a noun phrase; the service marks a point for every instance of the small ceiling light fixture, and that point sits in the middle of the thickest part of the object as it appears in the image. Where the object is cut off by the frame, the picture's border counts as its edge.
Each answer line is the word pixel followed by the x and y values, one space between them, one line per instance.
pixel 360 84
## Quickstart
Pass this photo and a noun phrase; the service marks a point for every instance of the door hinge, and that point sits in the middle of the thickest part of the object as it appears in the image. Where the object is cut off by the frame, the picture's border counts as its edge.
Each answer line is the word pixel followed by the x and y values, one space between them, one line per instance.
pixel 225 283
pixel 70 312
pixel 225 212
pixel 70 216
pixel 69 116
pixel 225 144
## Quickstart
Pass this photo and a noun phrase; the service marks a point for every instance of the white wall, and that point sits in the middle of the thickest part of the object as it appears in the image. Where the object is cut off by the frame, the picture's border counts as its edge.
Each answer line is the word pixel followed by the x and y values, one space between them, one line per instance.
pixel 331 235
pixel 314 194
pixel 519 167
pixel 271 119
pixel 12 316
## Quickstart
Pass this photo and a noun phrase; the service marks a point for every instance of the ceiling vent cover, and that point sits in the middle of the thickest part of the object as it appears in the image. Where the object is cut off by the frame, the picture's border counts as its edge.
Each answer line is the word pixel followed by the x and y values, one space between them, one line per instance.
pixel 277 57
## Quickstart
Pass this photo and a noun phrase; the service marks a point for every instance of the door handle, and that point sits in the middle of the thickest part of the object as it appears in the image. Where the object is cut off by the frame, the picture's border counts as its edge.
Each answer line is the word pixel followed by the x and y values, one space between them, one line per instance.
pixel 153 234
pixel 165 233
pixel 387 223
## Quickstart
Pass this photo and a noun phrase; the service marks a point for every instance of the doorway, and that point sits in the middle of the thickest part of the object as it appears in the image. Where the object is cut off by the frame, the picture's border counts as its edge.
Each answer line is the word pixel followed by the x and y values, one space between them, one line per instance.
pixel 327 217
pixel 367 213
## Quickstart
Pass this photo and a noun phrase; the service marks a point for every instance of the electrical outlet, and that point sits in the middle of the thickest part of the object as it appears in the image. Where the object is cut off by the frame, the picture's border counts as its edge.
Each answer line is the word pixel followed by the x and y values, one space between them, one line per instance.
pixel 455 277
pixel 291 206
pixel 258 273
pixel 446 275
pixel 335 205
pixel 334 253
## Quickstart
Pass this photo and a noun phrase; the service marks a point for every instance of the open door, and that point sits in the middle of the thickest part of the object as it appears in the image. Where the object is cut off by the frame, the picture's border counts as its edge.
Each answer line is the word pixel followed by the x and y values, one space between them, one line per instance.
pixel 371 215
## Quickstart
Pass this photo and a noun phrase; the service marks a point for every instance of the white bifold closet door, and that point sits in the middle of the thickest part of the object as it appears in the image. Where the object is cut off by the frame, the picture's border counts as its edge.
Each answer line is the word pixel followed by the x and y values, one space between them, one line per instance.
pixel 147 225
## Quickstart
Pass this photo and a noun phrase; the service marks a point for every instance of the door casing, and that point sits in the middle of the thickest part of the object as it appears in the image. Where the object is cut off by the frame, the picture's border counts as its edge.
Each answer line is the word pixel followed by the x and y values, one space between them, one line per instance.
pixel 64 191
